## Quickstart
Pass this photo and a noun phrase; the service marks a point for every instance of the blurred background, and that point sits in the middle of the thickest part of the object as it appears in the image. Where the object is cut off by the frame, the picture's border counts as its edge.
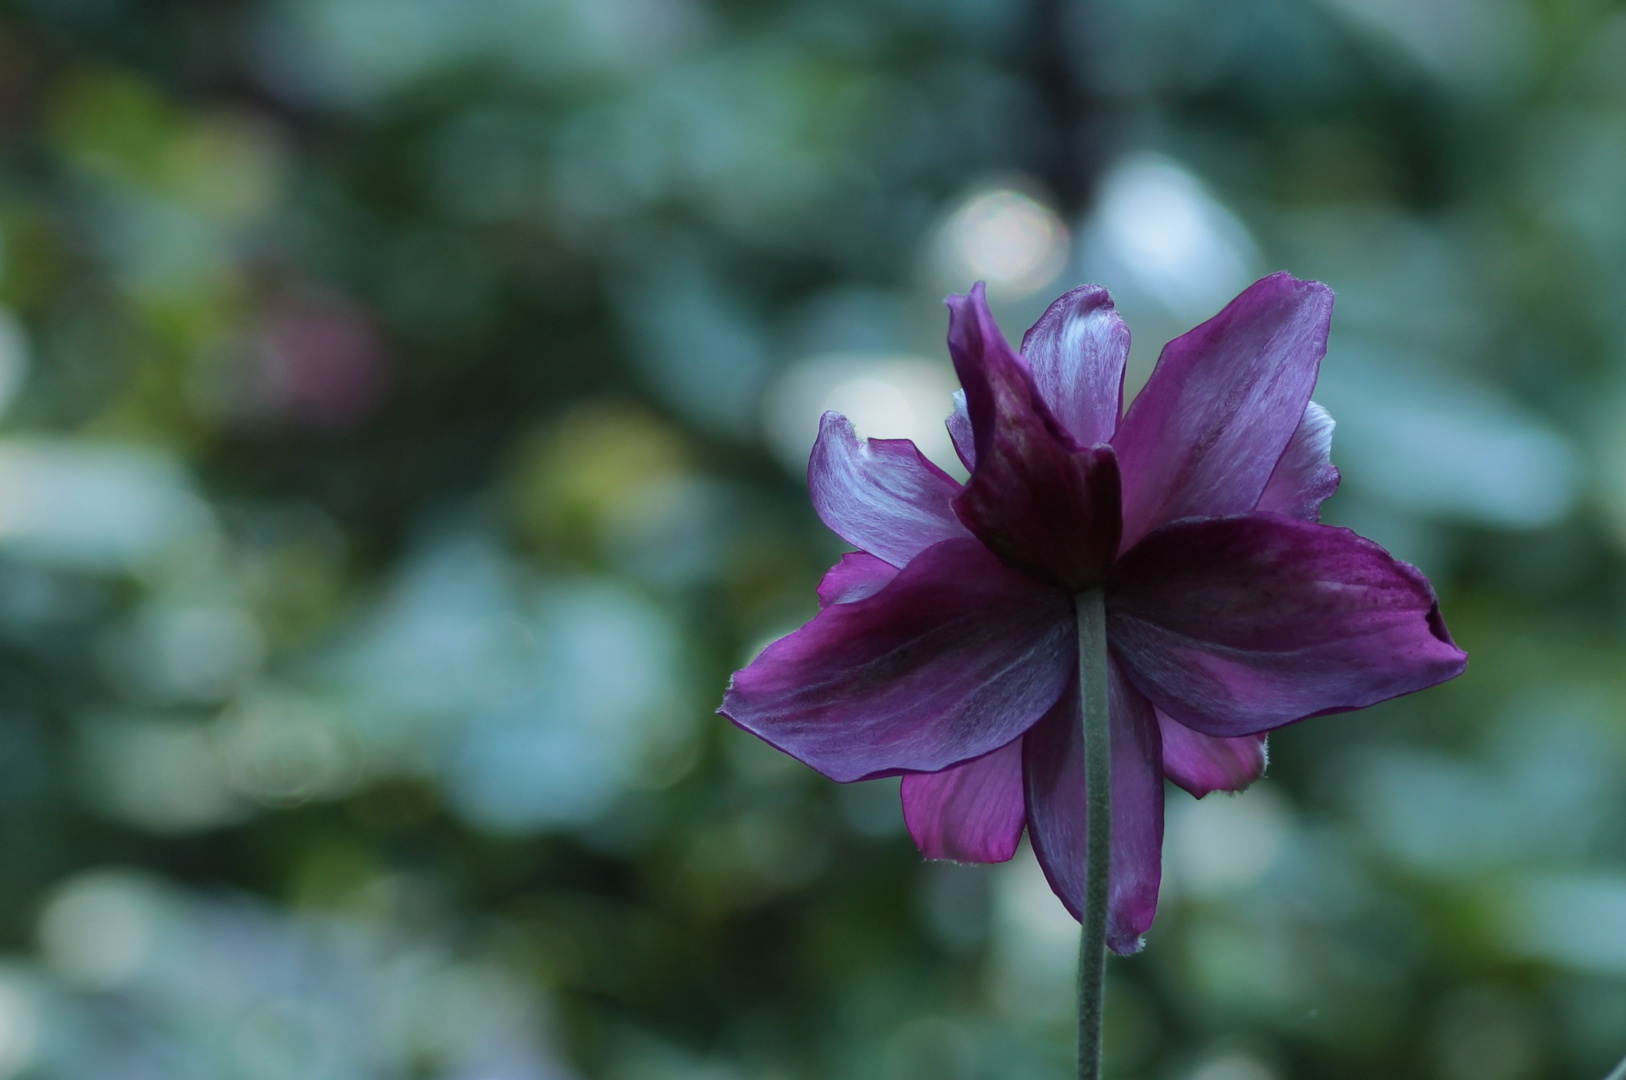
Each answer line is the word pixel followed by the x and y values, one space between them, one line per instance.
pixel 406 403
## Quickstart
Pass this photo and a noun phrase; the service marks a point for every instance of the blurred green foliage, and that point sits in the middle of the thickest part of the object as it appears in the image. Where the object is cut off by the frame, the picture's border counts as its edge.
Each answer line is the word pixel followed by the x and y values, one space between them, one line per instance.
pixel 404 401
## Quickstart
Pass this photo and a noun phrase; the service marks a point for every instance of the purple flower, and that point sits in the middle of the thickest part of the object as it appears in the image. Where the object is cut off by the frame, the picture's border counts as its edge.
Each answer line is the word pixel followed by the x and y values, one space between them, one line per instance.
pixel 945 647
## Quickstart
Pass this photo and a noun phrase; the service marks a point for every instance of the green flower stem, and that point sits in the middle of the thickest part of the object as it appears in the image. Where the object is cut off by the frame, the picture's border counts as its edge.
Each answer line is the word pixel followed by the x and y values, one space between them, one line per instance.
pixel 1619 1073
pixel 1092 948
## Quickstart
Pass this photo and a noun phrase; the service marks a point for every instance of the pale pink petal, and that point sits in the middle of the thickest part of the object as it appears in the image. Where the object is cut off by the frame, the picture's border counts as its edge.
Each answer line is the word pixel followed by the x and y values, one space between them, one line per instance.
pixel 971 812
pixel 858 575
pixel 1201 763
pixel 959 429
pixel 880 495
pixel 1305 477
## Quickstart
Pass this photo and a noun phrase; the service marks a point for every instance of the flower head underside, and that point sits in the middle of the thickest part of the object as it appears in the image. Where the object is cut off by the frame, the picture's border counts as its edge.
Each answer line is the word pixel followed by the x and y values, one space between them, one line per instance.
pixel 944 650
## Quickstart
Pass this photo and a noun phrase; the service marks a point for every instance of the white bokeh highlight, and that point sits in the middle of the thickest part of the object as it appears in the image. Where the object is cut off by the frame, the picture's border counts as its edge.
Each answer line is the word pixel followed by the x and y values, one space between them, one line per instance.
pixel 97 507
pixel 886 397
pixel 1006 238
pixel 1222 845
pixel 1158 228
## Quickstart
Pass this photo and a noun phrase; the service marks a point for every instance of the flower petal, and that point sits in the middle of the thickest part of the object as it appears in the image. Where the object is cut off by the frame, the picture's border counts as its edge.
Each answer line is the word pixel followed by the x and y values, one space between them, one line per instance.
pixel 1053 770
pixel 1205 434
pixel 857 576
pixel 880 495
pixel 1039 500
pixel 1077 351
pixel 1304 478
pixel 956 657
pixel 971 812
pixel 1238 625
pixel 959 429
pixel 1201 763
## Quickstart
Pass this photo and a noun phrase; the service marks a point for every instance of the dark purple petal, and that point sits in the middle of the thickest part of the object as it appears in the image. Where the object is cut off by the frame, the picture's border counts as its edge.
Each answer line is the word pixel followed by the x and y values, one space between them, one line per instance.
pixel 1036 498
pixel 857 576
pixel 971 812
pixel 1205 434
pixel 959 655
pixel 1201 763
pixel 1238 625
pixel 1077 351
pixel 959 429
pixel 1053 770
pixel 880 495
pixel 1304 478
